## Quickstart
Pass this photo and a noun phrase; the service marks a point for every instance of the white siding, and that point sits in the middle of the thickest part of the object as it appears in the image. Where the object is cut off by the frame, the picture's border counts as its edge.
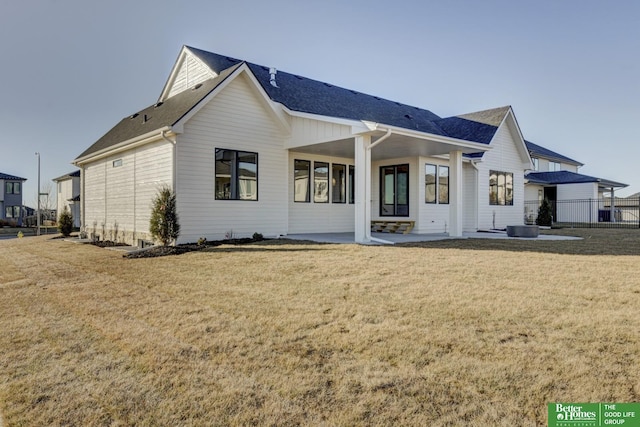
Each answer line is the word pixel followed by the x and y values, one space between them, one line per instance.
pixel 120 197
pixel 431 217
pixel 236 120
pixel 319 217
pixel 543 166
pixel 569 211
pixel 469 198
pixel 306 131
pixel 191 72
pixel 68 189
pixel 503 157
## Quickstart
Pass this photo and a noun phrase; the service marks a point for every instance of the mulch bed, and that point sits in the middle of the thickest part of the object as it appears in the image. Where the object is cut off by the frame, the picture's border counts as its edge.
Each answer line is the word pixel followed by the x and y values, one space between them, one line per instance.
pixel 157 251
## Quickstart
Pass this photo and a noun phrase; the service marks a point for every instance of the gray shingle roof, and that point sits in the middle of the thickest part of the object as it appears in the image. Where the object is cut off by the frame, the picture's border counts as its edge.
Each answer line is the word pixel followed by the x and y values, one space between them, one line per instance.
pixel 303 95
pixel 8 177
pixel 567 177
pixel 540 151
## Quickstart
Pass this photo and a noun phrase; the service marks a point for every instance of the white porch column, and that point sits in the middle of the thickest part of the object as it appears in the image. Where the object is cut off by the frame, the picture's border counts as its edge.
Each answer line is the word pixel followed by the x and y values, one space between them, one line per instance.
pixel 455 193
pixel 612 208
pixel 363 189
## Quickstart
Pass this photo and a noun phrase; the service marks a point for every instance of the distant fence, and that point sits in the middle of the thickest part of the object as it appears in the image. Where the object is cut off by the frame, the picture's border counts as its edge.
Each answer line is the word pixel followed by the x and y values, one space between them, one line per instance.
pixel 589 213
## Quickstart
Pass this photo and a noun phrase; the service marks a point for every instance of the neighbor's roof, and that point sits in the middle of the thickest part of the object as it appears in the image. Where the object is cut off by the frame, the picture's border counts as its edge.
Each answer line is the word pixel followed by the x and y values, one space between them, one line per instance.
pixel 11 177
pixel 567 177
pixel 73 174
pixel 304 95
pixel 539 151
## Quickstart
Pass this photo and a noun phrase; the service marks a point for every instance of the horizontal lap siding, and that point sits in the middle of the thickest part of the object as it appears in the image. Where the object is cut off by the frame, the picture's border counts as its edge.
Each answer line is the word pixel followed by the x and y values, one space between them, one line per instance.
pixel 94 196
pixel 234 119
pixel 433 217
pixel 503 157
pixel 319 217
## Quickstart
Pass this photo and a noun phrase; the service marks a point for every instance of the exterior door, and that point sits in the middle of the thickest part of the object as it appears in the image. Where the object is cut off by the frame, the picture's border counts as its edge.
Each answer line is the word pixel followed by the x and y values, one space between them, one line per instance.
pixel 394 190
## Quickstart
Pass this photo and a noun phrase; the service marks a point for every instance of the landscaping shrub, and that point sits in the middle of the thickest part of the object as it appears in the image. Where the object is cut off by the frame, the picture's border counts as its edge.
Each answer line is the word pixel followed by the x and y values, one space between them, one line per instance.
pixel 164 225
pixel 545 214
pixel 65 222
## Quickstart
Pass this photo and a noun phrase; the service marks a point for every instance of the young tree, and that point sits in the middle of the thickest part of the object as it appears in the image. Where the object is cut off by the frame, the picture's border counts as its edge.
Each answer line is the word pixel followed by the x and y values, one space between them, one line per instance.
pixel 164 225
pixel 545 213
pixel 65 222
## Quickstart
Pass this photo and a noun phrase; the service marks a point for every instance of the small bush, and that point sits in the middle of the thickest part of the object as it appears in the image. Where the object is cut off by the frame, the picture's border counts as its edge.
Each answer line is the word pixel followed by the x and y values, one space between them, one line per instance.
pixel 164 225
pixel 65 222
pixel 545 214
pixel 258 237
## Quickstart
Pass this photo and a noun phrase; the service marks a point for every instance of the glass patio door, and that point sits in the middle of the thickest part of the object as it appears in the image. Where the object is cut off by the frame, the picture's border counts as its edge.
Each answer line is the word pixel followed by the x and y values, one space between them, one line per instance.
pixel 394 190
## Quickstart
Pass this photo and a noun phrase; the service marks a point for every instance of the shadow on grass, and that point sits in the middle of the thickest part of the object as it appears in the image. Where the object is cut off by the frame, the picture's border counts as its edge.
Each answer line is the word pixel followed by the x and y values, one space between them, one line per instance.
pixel 594 242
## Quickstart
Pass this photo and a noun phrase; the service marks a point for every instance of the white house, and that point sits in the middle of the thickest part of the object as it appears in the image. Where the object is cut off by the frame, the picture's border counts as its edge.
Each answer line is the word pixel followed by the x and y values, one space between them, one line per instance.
pixel 68 194
pixel 248 148
pixel 575 197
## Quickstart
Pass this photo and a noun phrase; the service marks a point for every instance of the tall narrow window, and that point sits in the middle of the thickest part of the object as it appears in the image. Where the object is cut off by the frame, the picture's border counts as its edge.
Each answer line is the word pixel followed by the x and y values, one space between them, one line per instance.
pixel 394 190
pixel 302 181
pixel 443 184
pixel 236 175
pixel 321 182
pixel 352 184
pixel 430 183
pixel 338 183
pixel 500 188
pixel 536 163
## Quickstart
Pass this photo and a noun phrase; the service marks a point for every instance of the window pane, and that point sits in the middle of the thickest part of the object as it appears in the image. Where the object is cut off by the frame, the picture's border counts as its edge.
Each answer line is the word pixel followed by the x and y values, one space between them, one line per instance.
pixel 247 176
pixel 321 182
pixel 224 164
pixel 509 189
pixel 493 188
pixel 443 184
pixel 430 183
pixel 501 187
pixel 8 187
pixel 352 184
pixel 8 212
pixel 16 211
pixel 403 185
pixel 301 175
pixel 16 188
pixel 338 183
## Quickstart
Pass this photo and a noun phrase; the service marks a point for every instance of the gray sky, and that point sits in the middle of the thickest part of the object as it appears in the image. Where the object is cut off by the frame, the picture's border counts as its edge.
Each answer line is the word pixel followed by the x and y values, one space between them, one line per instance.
pixel 71 69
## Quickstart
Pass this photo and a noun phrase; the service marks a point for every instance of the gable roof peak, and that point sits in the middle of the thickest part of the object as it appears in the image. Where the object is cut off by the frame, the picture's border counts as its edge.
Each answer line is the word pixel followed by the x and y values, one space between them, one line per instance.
pixel 492 116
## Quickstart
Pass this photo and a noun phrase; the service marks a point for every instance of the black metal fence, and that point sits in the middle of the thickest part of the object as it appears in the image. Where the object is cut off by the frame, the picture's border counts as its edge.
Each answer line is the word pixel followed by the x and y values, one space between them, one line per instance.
pixel 589 213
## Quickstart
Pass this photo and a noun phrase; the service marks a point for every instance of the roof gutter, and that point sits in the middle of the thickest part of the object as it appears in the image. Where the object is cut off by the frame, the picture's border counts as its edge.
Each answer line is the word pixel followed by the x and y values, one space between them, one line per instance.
pixel 123 146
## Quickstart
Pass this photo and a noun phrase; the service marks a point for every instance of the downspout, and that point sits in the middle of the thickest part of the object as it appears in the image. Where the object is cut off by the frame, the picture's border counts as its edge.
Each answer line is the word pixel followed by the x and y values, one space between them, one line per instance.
pixel 368 232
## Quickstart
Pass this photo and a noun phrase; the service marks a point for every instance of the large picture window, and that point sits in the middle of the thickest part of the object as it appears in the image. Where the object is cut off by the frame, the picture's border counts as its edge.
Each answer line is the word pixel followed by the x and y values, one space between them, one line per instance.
pixel 321 182
pixel 338 183
pixel 500 188
pixel 394 190
pixel 236 175
pixel 302 181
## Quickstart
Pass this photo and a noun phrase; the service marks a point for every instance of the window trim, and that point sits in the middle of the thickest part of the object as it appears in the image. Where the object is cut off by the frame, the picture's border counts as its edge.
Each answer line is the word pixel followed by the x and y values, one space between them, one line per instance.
pixel 234 177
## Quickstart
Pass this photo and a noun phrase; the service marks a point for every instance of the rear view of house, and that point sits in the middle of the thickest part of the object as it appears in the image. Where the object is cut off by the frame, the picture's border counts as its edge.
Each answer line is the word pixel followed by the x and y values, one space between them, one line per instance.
pixel 11 208
pixel 248 148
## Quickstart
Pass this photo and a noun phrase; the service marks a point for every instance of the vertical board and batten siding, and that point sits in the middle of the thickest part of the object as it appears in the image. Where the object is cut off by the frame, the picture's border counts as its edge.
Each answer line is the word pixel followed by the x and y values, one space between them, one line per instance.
pixel 307 131
pixel 503 157
pixel 319 217
pixel 234 119
pixel 122 195
pixel 191 72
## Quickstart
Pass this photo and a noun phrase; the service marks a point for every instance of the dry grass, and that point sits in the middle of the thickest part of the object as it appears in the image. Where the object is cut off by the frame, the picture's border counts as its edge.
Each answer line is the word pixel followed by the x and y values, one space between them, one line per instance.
pixel 473 333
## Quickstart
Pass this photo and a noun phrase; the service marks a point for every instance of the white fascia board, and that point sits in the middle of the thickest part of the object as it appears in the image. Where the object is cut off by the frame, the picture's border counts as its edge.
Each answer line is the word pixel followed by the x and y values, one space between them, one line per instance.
pixel 178 127
pixel 123 146
pixel 476 146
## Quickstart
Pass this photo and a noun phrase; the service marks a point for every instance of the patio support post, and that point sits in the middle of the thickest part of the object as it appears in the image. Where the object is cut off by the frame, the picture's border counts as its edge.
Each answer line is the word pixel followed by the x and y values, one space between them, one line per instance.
pixel 455 193
pixel 362 189
pixel 612 217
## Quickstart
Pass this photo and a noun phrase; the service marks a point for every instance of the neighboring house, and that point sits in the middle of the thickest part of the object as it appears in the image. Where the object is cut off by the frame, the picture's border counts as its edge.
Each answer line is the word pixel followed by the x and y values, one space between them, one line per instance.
pixel 68 192
pixel 250 149
pixel 556 178
pixel 11 208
